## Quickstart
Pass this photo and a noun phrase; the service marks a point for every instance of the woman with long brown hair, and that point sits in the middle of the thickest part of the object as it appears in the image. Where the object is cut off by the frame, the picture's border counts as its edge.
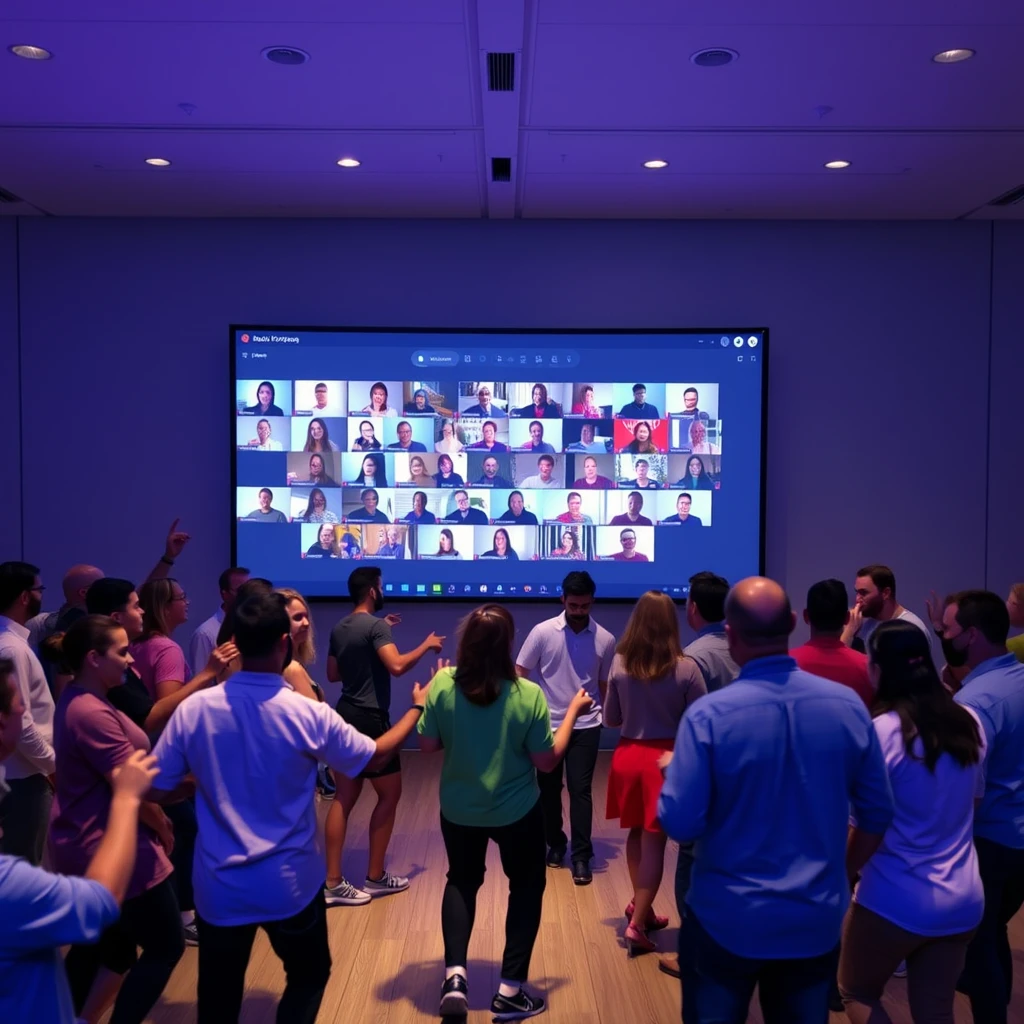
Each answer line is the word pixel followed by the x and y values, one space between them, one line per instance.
pixel 650 686
pixel 495 731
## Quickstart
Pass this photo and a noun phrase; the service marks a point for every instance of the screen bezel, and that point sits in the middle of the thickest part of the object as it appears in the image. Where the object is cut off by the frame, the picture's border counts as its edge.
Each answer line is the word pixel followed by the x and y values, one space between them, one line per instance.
pixel 233 329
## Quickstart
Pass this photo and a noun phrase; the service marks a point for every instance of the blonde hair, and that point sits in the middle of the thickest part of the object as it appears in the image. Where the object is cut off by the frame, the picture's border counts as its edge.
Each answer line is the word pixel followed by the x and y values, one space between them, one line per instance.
pixel 305 653
pixel 156 597
pixel 650 645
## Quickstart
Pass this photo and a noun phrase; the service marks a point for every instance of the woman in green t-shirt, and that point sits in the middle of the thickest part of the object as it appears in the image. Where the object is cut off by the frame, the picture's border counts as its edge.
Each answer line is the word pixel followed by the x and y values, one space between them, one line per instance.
pixel 495 732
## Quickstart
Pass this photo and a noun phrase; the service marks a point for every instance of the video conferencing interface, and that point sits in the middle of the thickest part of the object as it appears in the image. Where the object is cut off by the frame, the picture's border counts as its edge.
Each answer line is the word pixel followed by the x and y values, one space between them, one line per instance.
pixel 469 464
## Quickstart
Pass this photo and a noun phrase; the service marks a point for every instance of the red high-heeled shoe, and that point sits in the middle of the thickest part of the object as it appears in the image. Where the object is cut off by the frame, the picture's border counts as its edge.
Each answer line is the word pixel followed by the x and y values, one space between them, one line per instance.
pixel 653 923
pixel 638 942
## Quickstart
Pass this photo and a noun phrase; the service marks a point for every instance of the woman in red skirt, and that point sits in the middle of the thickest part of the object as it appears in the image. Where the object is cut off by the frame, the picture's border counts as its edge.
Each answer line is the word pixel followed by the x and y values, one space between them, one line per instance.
pixel 650 685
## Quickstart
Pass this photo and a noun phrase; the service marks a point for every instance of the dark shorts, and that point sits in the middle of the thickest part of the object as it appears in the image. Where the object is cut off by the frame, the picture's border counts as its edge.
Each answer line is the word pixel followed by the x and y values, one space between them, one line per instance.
pixel 370 722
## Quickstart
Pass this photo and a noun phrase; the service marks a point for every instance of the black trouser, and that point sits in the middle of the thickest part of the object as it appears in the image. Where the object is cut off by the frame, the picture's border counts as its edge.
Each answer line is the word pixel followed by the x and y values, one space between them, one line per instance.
pixel 25 818
pixel 186 828
pixel 150 920
pixel 521 846
pixel 580 760
pixel 299 941
pixel 988 973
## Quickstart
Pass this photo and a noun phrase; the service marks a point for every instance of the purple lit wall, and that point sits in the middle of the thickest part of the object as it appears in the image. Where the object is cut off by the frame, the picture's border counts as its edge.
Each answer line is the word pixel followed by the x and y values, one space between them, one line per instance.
pixel 881 398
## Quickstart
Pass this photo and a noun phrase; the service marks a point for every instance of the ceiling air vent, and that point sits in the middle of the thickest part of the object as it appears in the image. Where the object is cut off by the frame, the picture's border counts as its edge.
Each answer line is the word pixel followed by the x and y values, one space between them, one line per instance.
pixel 501 168
pixel 501 72
pixel 1011 198
pixel 715 57
pixel 290 56
pixel 9 197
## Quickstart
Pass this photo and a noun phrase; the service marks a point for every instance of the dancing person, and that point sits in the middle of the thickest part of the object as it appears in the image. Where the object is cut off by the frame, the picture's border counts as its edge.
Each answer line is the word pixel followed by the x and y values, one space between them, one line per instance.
pixel 44 911
pixel 93 740
pixel 25 811
pixel 265 398
pixel 501 547
pixel 919 897
pixel 975 627
pixel 875 587
pixel 367 439
pixel 420 513
pixel 418 475
pixel 159 660
pixel 363 657
pixel 495 732
pixel 378 404
pixel 204 639
pixel 650 686
pixel 705 614
pixel 564 654
pixel 769 889
pixel 257 863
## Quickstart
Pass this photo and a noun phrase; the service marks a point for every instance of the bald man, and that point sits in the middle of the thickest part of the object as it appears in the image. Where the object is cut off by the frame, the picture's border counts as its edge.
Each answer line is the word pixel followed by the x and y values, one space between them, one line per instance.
pixel 763 779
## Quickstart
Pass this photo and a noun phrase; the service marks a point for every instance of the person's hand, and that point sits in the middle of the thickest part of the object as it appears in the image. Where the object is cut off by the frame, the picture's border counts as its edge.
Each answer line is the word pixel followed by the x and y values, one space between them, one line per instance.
pixel 851 629
pixel 176 541
pixel 164 832
pixel 935 610
pixel 434 642
pixel 135 776
pixel 392 619
pixel 664 761
pixel 581 702
pixel 221 659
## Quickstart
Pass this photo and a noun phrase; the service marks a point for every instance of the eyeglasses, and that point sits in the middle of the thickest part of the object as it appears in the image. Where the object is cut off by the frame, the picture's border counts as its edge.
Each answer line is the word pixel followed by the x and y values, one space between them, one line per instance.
pixel 180 597
pixel 37 590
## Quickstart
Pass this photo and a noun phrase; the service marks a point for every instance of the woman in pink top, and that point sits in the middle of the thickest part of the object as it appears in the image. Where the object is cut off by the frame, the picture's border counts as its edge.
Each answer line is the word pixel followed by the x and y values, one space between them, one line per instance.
pixel 650 686
pixel 159 661
pixel 92 741
pixel 586 407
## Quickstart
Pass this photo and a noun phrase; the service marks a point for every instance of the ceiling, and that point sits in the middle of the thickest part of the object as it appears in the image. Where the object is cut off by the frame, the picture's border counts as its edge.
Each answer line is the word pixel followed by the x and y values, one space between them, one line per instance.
pixel 600 87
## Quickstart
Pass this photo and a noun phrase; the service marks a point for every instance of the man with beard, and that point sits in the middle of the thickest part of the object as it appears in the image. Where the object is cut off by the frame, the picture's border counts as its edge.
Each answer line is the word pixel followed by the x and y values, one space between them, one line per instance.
pixel 563 655
pixel 25 812
pixel 875 587
pixel 363 658
pixel 975 626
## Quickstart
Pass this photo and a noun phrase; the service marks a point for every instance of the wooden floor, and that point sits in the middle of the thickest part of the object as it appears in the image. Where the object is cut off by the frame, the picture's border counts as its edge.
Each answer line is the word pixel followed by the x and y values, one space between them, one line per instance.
pixel 388 955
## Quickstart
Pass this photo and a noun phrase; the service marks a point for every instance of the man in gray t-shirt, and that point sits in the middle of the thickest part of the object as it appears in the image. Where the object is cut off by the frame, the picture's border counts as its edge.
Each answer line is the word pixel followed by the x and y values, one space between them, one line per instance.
pixel 562 655
pixel 363 658
pixel 875 587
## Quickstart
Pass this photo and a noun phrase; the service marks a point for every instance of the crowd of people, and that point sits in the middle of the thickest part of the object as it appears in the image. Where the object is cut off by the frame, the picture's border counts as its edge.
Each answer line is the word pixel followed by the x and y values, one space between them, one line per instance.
pixel 845 810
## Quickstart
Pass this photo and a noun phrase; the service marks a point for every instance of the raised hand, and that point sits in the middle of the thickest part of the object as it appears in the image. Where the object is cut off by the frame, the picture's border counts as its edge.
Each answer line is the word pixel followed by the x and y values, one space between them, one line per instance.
pixel 135 776
pixel 434 642
pixel 851 629
pixel 176 541
pixel 392 619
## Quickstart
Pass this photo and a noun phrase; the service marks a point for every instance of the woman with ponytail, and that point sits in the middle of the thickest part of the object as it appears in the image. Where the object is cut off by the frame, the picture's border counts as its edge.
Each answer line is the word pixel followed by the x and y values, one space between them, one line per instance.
pixel 919 897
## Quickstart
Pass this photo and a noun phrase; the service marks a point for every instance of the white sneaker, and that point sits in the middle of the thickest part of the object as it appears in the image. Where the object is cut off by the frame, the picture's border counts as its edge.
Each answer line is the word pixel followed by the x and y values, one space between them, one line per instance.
pixel 386 884
pixel 345 894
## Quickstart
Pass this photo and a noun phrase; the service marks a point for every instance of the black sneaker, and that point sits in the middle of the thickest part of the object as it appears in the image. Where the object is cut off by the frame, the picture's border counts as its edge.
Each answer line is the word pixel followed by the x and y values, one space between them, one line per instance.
pixel 454 997
pixel 517 1007
pixel 581 873
pixel 555 857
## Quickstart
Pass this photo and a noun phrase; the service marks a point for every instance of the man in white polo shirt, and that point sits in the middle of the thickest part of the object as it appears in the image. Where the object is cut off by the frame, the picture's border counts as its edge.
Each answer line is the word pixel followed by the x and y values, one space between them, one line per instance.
pixel 25 814
pixel 204 639
pixel 562 654
pixel 253 745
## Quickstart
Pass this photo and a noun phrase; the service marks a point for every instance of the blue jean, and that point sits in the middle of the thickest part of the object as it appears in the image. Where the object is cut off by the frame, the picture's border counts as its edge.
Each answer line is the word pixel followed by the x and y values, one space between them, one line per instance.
pixel 718 985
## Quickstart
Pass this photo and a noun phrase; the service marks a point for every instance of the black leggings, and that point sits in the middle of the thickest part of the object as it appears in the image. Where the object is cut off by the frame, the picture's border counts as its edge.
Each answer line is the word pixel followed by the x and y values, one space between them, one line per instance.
pixel 521 846
pixel 150 920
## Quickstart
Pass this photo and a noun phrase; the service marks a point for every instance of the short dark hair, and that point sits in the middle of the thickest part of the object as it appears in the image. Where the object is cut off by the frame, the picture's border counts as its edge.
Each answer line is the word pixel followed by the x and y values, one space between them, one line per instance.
pixel 256 586
pixel 368 490
pixel 882 576
pixel 260 622
pixel 639 387
pixel 460 490
pixel 224 580
pixel 489 422
pixel 985 611
pixel 573 494
pixel 546 458
pixel 15 579
pixel 108 595
pixel 403 423
pixel 707 592
pixel 641 462
pixel 579 584
pixel 320 387
pixel 268 490
pixel 361 581
pixel 828 604
pixel 688 390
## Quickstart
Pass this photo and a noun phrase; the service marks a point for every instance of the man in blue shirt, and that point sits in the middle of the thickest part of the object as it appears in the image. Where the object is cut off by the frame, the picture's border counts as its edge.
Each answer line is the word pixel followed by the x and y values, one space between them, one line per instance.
pixel 491 478
pixel 640 408
pixel 763 777
pixel 405 442
pixel 975 625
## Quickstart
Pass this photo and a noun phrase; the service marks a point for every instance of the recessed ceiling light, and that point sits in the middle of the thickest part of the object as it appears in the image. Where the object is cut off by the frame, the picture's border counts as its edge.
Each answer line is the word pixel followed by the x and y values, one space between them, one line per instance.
pixel 953 56
pixel 655 165
pixel 714 57
pixel 348 161
pixel 290 56
pixel 837 165
pixel 30 52
pixel 158 161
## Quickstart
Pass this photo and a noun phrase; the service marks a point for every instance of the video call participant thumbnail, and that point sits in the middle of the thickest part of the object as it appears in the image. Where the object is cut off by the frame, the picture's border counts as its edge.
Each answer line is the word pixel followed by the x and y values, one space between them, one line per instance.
pixel 348 541
pixel 540 407
pixel 569 546
pixel 266 513
pixel 633 515
pixel 415 470
pixel 585 403
pixel 370 470
pixel 368 511
pixel 450 542
pixel 325 544
pixel 639 408
pixel 517 512
pixel 535 442
pixel 573 512
pixel 420 513
pixel 448 440
pixel 315 509
pixel 589 440
pixel 485 405
pixel 696 477
pixel 501 547
pixel 319 398
pixel 464 514
pixel 320 468
pixel 592 479
pixel 682 516
pixel 405 443
pixel 628 552
pixel 419 404
pixel 384 542
pixel 642 481
pixel 544 477
pixel 264 441
pixel 378 392
pixel 489 472
pixel 692 436
pixel 265 403
pixel 642 437
pixel 366 438
pixel 446 475
pixel 314 435
pixel 489 441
